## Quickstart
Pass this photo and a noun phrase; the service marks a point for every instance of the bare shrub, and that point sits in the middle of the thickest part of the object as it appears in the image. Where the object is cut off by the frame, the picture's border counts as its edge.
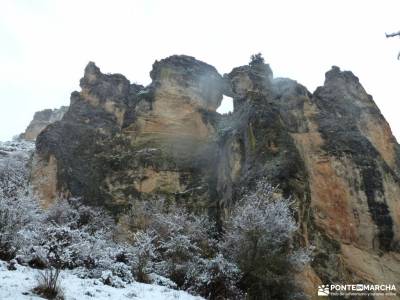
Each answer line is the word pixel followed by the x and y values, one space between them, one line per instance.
pixel 48 285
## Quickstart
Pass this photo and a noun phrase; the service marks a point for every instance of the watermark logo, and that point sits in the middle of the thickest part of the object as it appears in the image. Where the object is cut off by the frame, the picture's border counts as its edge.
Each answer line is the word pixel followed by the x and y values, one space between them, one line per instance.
pixel 325 290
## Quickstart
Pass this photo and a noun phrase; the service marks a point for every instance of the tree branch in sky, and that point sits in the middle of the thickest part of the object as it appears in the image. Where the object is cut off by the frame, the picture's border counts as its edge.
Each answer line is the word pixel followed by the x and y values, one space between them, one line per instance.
pixel 392 34
pixel 388 35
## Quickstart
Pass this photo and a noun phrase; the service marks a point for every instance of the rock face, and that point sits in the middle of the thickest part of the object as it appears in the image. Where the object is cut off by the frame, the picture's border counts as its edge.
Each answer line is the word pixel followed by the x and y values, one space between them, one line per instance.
pixel 335 154
pixel 41 119
pixel 121 141
pixel 332 151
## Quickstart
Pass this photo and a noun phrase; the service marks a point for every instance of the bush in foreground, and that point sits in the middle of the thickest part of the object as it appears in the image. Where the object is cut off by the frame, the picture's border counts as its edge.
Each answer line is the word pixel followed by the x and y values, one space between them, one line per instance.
pixel 259 238
pixel 48 285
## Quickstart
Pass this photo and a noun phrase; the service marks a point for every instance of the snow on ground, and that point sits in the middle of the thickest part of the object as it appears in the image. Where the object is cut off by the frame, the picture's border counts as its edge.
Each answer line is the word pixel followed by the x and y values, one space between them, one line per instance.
pixel 14 146
pixel 17 285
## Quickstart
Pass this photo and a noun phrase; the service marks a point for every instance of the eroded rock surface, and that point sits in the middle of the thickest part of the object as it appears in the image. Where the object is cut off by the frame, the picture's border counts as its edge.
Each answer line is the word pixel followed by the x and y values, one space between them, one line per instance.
pixel 121 141
pixel 334 153
pixel 41 119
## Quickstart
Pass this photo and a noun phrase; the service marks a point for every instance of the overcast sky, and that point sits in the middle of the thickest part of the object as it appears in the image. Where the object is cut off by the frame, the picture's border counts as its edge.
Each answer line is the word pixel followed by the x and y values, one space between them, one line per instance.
pixel 45 45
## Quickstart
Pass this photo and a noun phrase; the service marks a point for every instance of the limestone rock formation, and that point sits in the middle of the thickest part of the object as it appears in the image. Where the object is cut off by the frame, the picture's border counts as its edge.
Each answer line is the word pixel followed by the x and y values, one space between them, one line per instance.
pixel 41 119
pixel 331 151
pixel 334 153
pixel 120 141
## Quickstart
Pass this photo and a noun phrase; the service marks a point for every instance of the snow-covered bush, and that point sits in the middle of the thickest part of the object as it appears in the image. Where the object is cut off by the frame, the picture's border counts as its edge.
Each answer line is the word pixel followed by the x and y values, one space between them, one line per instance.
pixel 214 278
pixel 60 246
pixel 181 237
pixel 142 213
pixel 14 157
pixel 161 280
pixel 299 258
pixel 77 237
pixel 17 208
pixel 14 215
pixel 259 239
pixel 108 278
pixel 167 238
pixel 75 215
pixel 122 271
pixel 181 246
pixel 144 253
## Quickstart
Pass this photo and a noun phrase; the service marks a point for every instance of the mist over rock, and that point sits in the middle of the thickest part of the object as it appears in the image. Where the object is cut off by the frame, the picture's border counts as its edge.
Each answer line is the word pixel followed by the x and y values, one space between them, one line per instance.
pixel 119 141
pixel 332 151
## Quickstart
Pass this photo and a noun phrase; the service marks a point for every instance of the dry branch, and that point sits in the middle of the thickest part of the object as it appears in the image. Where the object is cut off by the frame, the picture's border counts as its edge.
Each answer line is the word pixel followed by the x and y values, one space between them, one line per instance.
pixel 392 34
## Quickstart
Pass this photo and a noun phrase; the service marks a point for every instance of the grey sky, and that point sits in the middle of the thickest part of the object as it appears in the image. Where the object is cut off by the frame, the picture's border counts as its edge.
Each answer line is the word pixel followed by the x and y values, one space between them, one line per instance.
pixel 45 45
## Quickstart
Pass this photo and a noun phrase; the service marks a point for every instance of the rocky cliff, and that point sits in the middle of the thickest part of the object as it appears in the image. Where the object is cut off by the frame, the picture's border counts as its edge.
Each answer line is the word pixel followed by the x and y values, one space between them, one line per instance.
pixel 41 119
pixel 331 151
pixel 335 154
pixel 121 141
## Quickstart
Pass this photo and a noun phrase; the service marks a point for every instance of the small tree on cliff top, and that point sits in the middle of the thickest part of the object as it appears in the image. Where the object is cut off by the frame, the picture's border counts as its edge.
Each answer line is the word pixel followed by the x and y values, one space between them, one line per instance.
pixel 256 59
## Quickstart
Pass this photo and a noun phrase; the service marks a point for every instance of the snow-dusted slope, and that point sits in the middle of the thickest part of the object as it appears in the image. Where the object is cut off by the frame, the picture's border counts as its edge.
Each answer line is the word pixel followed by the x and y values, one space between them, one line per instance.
pixel 17 285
